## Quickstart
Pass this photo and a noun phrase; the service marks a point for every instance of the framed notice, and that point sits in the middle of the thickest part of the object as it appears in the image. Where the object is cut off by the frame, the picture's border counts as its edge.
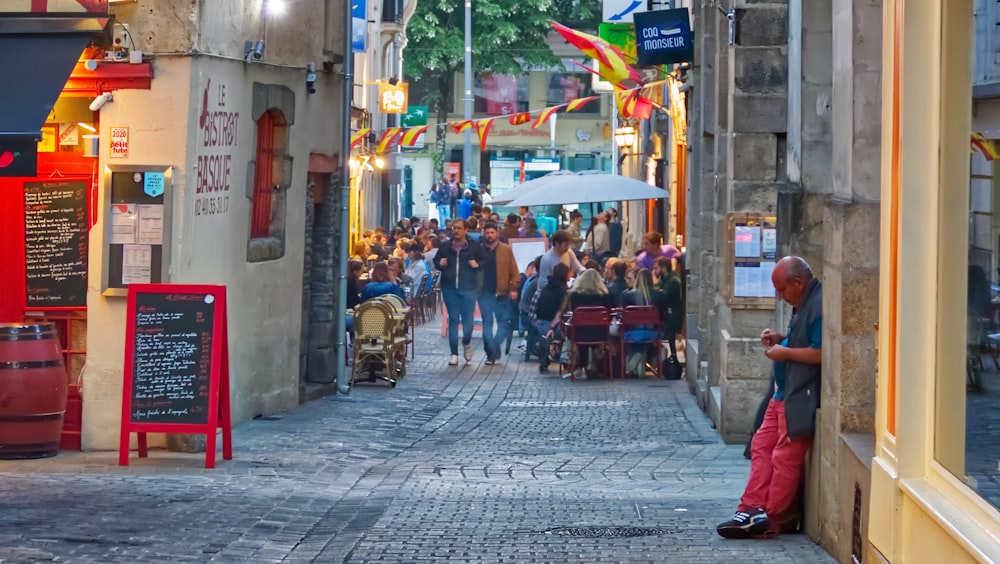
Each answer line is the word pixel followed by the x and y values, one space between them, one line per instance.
pixel 525 250
pixel 176 366
pixel 751 254
pixel 56 243
pixel 137 202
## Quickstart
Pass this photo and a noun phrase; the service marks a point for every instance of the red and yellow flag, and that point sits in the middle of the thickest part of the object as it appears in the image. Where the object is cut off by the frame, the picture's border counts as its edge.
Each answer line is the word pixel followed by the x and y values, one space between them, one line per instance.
pixel 579 103
pixel 387 139
pixel 483 130
pixel 985 146
pixel 632 105
pixel 614 68
pixel 460 126
pixel 409 137
pixel 520 118
pixel 358 136
pixel 543 117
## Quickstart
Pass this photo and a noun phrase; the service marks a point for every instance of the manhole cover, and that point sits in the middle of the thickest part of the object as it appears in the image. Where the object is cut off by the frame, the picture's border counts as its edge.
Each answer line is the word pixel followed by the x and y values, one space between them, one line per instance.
pixel 598 532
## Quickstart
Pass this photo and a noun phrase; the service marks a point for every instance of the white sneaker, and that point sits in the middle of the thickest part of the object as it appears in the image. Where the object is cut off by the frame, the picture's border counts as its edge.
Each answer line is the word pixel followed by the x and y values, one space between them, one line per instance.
pixel 523 346
pixel 580 374
pixel 453 361
pixel 635 363
pixel 468 353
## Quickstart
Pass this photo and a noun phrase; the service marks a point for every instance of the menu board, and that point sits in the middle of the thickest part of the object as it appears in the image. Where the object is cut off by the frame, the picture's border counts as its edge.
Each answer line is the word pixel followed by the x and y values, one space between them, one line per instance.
pixel 136 220
pixel 172 354
pixel 525 250
pixel 752 254
pixel 176 366
pixel 55 243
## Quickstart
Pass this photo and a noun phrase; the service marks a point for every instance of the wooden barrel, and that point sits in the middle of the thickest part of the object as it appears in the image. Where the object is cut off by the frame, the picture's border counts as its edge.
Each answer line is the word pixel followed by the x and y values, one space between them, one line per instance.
pixel 33 387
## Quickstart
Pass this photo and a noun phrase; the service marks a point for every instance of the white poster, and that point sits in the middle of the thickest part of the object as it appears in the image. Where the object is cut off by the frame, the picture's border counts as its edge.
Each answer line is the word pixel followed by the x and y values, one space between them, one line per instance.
pixel 753 280
pixel 747 239
pixel 123 220
pixel 137 263
pixel 150 224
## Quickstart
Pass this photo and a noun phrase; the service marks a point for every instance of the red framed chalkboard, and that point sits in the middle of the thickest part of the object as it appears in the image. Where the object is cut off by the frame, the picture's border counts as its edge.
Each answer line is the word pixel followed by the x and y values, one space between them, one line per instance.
pixel 176 366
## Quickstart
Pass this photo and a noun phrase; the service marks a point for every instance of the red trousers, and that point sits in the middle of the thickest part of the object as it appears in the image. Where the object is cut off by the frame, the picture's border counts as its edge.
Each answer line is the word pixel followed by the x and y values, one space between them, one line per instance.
pixel 776 464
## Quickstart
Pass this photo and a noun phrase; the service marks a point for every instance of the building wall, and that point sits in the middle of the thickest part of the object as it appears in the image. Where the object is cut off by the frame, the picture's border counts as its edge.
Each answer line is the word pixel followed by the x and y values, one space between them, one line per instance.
pixel 209 244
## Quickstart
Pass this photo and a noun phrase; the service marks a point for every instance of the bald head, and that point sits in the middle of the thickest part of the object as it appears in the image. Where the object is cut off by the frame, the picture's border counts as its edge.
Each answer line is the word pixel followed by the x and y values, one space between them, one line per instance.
pixel 790 277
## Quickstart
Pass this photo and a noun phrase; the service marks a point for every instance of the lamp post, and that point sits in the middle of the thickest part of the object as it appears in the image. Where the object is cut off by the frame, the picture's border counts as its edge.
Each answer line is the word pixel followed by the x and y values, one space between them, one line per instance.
pixel 467 98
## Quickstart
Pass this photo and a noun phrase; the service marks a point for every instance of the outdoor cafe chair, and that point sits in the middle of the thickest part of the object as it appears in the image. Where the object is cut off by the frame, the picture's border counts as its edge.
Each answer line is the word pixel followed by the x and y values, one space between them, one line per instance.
pixel 640 317
pixel 588 327
pixel 376 344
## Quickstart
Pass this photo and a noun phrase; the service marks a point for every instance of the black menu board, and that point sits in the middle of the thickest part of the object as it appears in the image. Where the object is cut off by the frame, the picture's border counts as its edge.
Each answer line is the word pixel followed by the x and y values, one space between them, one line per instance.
pixel 55 243
pixel 172 357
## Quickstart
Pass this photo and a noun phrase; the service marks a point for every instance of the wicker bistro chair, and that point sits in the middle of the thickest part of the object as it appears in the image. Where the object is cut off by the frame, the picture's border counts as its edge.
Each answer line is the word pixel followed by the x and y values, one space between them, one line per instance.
pixel 590 327
pixel 376 344
pixel 401 315
pixel 641 317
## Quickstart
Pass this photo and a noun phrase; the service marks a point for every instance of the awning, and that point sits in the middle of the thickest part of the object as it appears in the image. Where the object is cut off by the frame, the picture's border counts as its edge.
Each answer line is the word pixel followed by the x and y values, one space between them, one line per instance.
pixel 37 55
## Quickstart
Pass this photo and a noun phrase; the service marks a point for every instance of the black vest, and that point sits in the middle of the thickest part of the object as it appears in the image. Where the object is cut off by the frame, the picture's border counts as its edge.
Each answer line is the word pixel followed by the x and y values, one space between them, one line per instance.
pixel 802 381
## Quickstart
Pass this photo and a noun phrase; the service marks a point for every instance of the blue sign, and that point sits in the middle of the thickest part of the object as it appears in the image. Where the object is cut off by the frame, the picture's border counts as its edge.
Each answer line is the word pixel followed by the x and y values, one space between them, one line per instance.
pixel 152 183
pixel 359 25
pixel 663 37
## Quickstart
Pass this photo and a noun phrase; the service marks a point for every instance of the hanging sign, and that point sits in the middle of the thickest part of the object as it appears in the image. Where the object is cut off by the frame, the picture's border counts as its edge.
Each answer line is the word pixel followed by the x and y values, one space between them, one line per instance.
pixel 663 37
pixel 392 98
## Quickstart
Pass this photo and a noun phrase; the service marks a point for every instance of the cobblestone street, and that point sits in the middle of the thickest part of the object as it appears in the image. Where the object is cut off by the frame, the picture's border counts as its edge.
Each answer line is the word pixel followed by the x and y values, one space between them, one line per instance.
pixel 460 464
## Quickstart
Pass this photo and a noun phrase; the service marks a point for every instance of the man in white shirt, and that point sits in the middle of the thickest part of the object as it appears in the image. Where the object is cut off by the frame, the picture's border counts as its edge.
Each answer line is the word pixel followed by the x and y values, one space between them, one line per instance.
pixel 598 241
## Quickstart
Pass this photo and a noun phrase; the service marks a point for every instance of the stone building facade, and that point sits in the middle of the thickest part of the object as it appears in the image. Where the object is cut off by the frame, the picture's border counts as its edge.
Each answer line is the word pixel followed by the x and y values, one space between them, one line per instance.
pixel 786 122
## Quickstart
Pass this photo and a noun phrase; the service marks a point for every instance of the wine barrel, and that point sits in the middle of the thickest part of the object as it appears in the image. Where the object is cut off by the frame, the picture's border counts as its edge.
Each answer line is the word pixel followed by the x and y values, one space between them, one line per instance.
pixel 33 387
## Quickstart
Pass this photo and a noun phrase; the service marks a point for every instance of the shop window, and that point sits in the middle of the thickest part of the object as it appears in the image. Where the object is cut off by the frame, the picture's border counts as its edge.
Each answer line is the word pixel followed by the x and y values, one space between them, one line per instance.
pixel 268 187
pixel 564 86
pixel 501 94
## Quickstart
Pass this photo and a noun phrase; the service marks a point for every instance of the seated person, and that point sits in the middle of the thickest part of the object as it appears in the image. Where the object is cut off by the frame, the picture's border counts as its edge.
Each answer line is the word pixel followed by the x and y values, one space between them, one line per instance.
pixel 643 294
pixel 397 273
pixel 588 291
pixel 549 308
pixel 381 283
pixel 614 274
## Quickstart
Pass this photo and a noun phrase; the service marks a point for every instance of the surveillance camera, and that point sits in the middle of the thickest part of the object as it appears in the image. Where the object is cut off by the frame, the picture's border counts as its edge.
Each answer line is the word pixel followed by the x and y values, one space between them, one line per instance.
pixel 258 50
pixel 393 81
pixel 311 78
pixel 99 102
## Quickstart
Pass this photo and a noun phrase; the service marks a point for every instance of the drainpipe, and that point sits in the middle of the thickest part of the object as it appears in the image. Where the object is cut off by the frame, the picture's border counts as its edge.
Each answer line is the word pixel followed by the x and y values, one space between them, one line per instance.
pixel 343 380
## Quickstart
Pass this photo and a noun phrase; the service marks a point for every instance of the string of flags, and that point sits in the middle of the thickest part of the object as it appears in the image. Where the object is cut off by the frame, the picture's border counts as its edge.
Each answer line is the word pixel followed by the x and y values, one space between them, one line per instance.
pixel 613 68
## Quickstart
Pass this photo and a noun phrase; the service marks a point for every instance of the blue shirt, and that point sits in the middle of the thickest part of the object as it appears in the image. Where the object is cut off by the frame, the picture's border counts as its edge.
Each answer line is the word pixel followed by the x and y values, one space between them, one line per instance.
pixel 464 208
pixel 778 369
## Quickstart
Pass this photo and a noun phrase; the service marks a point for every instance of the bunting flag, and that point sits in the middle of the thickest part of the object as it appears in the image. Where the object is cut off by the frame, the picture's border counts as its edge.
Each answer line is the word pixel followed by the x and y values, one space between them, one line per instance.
pixel 409 137
pixel 984 146
pixel 520 118
pixel 614 68
pixel 545 114
pixel 580 102
pixel 358 136
pixel 483 130
pixel 387 139
pixel 461 126
pixel 632 105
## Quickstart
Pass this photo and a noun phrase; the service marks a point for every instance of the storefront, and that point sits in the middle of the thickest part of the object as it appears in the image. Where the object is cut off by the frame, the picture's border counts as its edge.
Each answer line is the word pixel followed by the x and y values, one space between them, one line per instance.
pixel 933 493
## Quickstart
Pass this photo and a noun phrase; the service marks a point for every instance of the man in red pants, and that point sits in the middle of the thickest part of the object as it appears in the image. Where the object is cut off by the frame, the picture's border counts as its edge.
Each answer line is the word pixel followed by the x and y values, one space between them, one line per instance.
pixel 779 447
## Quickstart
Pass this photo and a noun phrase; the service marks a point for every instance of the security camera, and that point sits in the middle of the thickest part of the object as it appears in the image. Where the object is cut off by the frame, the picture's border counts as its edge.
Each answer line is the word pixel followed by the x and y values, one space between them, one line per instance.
pixel 311 78
pixel 258 50
pixel 99 102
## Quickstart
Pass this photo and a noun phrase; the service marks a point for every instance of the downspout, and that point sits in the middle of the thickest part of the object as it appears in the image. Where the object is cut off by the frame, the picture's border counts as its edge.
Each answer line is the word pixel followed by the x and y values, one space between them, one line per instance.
pixel 343 381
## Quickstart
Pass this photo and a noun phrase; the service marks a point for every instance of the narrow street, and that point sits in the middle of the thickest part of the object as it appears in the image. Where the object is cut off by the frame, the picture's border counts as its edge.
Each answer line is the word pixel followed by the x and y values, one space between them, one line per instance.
pixel 460 464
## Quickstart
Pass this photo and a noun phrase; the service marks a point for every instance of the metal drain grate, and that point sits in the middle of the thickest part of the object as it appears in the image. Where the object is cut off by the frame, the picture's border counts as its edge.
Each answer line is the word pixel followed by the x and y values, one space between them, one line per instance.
pixel 606 532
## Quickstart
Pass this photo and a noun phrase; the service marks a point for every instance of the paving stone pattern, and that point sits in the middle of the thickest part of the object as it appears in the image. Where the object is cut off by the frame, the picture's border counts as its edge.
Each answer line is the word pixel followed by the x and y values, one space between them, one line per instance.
pixel 457 464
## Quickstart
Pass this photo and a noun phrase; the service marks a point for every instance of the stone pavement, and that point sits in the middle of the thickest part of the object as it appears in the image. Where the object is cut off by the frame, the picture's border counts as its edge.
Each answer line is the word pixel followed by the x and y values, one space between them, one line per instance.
pixel 458 464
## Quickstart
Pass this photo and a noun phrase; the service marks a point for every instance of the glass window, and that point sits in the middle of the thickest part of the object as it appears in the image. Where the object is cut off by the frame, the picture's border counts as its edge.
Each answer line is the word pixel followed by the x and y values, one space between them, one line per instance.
pixel 568 83
pixel 501 94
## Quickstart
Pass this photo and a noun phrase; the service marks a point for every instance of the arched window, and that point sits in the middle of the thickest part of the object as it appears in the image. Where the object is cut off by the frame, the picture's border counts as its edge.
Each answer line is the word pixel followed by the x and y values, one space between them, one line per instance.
pixel 268 174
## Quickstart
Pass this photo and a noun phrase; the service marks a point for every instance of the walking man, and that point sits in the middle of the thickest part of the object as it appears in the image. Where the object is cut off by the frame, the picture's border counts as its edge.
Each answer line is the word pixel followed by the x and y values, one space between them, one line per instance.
pixel 459 262
pixel 500 286
pixel 779 447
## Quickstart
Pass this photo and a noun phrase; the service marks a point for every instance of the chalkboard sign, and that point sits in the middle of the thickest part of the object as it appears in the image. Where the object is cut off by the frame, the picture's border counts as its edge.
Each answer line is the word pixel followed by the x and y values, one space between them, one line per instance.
pixel 176 364
pixel 55 243
pixel 172 356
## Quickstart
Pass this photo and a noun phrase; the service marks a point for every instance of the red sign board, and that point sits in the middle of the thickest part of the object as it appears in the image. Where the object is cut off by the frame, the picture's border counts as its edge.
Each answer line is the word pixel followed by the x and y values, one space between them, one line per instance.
pixel 176 366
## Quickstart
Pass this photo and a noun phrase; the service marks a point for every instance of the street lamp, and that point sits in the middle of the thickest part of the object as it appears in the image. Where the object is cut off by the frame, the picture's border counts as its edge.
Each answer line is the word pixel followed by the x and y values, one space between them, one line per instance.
pixel 625 136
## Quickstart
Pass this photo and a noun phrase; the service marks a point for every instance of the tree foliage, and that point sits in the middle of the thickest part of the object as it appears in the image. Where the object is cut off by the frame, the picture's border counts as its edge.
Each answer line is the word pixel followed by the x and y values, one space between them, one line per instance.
pixel 507 36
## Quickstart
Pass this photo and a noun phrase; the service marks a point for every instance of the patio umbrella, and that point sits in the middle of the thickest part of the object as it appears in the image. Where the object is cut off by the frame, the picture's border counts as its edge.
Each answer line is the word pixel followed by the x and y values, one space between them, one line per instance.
pixel 585 187
pixel 522 189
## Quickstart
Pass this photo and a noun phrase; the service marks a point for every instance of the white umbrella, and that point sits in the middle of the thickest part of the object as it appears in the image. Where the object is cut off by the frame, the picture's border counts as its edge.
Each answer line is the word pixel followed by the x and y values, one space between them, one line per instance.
pixel 522 189
pixel 585 187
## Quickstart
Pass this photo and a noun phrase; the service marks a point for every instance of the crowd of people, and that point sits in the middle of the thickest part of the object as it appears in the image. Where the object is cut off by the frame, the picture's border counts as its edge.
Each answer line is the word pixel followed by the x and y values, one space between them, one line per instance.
pixel 476 266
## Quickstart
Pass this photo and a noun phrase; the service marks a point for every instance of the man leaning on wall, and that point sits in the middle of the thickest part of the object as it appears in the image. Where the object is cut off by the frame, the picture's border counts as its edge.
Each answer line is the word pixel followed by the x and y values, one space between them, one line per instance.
pixel 779 447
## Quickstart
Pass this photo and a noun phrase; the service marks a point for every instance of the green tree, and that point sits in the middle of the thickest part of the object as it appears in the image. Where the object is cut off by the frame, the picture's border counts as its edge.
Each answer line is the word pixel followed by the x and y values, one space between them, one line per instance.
pixel 507 36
